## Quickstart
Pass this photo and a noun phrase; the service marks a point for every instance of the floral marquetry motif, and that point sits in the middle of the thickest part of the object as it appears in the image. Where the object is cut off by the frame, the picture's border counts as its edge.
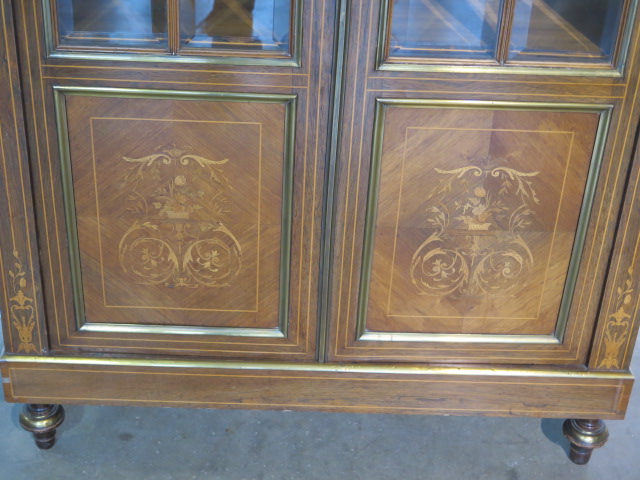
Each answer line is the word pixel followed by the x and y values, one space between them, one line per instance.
pixel 464 255
pixel 618 326
pixel 21 307
pixel 476 219
pixel 178 237
pixel 185 223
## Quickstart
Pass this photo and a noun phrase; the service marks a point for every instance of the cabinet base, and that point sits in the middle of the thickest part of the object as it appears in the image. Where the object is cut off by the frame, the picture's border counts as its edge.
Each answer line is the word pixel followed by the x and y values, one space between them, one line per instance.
pixel 325 387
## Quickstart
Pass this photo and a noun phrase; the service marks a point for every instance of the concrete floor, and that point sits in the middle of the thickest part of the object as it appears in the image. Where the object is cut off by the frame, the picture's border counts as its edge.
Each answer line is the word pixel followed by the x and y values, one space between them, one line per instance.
pixel 158 444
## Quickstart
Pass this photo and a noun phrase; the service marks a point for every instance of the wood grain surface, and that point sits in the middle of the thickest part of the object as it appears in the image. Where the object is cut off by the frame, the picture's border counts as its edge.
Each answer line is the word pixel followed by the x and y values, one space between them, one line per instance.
pixel 180 224
pixel 363 327
pixel 462 198
pixel 285 324
pixel 476 219
pixel 430 392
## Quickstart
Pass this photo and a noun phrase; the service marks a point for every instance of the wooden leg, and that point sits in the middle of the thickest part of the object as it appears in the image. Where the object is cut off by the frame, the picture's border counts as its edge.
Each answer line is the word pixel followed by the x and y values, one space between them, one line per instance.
pixel 585 436
pixel 42 420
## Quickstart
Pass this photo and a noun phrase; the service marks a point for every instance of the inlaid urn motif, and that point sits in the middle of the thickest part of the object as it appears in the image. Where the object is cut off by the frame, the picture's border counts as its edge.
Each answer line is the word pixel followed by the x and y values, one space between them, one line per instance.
pixel 478 213
pixel 178 237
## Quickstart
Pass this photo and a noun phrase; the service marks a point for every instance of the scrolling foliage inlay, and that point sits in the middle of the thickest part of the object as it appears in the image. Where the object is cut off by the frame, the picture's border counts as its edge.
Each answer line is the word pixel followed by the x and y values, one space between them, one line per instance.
pixel 618 325
pixel 476 248
pixel 178 237
pixel 21 307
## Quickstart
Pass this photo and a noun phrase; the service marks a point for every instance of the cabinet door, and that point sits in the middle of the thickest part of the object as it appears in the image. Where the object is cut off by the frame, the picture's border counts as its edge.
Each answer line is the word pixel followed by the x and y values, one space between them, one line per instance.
pixel 484 150
pixel 179 151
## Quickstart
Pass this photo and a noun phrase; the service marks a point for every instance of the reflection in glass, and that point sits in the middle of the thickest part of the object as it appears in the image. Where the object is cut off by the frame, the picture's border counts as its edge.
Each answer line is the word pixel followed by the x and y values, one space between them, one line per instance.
pixel 583 31
pixel 444 28
pixel 236 24
pixel 112 23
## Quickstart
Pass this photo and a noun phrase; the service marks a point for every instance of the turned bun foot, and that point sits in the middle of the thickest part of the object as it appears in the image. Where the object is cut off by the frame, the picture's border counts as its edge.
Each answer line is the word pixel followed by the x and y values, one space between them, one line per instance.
pixel 42 420
pixel 585 436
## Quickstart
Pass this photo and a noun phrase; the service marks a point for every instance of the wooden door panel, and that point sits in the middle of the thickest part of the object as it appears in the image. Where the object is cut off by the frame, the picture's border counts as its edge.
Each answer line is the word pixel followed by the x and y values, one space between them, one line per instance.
pixel 186 222
pixel 145 257
pixel 179 211
pixel 476 219
pixel 475 205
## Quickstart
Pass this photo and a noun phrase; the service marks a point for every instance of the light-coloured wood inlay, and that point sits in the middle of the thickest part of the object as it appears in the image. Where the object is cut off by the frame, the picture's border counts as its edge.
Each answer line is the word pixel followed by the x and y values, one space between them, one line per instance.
pixel 476 219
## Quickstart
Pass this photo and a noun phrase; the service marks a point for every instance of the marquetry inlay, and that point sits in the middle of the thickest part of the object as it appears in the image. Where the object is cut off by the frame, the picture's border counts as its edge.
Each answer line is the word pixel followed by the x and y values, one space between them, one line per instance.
pixel 178 210
pixel 618 325
pixel 21 306
pixel 178 236
pixel 478 213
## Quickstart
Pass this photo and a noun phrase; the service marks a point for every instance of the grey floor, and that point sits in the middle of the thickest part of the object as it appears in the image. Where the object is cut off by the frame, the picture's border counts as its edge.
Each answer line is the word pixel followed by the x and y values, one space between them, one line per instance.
pixel 158 444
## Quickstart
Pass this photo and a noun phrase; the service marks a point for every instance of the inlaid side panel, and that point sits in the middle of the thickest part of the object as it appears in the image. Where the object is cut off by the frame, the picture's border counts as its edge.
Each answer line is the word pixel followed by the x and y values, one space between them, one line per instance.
pixel 618 323
pixel 179 210
pixel 21 303
pixel 476 219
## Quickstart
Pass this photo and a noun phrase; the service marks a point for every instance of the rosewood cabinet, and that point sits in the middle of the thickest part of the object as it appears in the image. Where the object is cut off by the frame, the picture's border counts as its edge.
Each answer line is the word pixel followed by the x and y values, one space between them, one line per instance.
pixel 411 206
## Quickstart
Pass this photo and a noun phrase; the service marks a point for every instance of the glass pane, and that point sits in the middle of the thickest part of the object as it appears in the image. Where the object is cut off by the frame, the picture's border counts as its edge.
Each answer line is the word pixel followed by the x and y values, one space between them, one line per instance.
pixel 582 31
pixel 112 23
pixel 444 28
pixel 236 24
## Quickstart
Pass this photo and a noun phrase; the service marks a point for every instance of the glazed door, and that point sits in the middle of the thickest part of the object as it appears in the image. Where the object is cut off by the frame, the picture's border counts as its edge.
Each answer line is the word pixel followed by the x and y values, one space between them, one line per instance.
pixel 484 151
pixel 178 157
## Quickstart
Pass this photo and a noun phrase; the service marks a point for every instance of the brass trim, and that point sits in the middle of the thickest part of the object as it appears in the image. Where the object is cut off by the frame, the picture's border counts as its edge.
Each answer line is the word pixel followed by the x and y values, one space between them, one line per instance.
pixel 333 132
pixel 362 334
pixel 506 69
pixel 73 246
pixel 7 361
pixel 290 102
pixel 458 338
pixel 179 330
pixel 583 220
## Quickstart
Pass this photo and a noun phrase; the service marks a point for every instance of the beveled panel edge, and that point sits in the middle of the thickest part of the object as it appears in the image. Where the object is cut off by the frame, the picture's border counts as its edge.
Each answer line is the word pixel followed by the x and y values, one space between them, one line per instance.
pixel 588 198
pixel 395 369
pixel 179 330
pixel 459 338
pixel 615 70
pixel 290 102
pixel 604 110
pixel 165 56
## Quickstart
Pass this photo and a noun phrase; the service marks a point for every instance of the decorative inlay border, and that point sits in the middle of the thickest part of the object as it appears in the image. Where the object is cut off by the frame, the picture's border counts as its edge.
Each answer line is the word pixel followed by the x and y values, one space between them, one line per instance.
pixel 163 156
pixel 371 213
pixel 21 304
pixel 22 307
pixel 287 207
pixel 618 325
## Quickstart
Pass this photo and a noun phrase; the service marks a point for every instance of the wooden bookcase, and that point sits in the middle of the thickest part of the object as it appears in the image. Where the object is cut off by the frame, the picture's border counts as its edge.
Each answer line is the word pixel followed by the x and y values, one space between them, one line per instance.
pixel 410 206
